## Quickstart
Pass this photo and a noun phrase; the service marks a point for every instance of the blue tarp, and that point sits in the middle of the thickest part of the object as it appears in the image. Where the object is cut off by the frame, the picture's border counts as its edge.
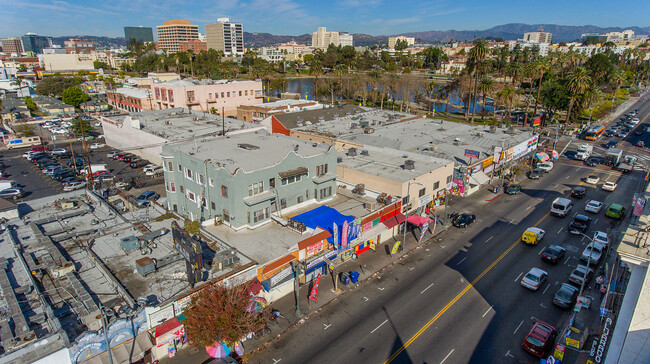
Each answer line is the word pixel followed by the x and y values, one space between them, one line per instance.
pixel 324 217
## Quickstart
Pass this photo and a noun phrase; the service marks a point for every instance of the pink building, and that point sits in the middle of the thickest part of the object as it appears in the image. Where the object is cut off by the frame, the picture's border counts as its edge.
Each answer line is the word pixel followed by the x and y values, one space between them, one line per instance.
pixel 203 95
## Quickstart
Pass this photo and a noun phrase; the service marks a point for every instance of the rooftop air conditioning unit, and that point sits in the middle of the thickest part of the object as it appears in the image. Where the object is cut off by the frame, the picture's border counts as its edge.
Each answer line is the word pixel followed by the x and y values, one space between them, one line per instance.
pixel 339 159
pixel 409 164
pixel 352 152
pixel 364 152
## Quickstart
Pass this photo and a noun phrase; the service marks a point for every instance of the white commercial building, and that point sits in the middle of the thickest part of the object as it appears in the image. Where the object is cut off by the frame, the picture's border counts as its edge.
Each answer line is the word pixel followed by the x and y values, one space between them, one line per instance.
pixel 539 36
pixel 322 38
pixel 543 47
pixel 67 62
pixel 392 41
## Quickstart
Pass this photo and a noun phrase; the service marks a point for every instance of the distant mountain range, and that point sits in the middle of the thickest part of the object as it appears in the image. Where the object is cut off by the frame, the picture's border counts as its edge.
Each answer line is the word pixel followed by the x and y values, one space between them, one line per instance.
pixel 561 33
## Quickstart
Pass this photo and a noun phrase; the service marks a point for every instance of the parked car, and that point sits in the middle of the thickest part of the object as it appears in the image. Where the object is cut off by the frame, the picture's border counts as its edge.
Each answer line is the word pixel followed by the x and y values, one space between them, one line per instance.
pixel 592 180
pixel 104 177
pixel 609 186
pixel 540 339
pixel 149 167
pixel 78 162
pixel 128 158
pixel 592 254
pixel 68 180
pixel 58 151
pixel 535 174
pixel 136 163
pixel 65 155
pixel 97 145
pixel 118 156
pixel 593 206
pixel 111 155
pixel 566 296
pixel 12 193
pixel 553 254
pixel 63 173
pixel 591 162
pixel 157 171
pixel 578 192
pixel 534 279
pixel 615 211
pixel 546 166
pixel 512 189
pixel 579 224
pixel 144 198
pixel 74 186
pixel 581 273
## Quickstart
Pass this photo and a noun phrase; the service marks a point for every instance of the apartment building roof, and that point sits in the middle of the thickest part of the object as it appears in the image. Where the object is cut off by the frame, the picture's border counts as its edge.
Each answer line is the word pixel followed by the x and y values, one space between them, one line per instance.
pixel 283 103
pixel 310 117
pixel 389 163
pixel 249 151
pixel 136 92
pixel 188 82
pixel 13 104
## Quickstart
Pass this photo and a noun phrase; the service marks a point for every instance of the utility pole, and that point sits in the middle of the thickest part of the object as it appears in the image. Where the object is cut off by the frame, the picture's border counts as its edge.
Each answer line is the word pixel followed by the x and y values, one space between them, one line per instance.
pixel 89 173
pixel 108 343
pixel 296 285
pixel 223 121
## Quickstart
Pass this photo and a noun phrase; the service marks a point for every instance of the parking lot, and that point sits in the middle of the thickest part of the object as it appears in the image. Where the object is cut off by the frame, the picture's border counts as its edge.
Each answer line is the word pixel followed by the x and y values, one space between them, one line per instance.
pixel 37 184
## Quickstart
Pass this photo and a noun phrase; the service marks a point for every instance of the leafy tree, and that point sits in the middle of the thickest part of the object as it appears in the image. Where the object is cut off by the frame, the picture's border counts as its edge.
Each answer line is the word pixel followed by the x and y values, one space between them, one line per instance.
pixel 22 68
pixel 401 44
pixel 219 314
pixel 78 124
pixel 100 64
pixel 577 83
pixel 73 96
pixel 599 66
pixel 31 105
pixel 54 86
pixel 24 130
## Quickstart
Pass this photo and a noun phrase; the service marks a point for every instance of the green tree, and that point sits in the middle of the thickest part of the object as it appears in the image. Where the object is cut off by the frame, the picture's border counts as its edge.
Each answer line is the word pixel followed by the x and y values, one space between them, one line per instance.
pixel 100 64
pixel 80 126
pixel 543 65
pixel 485 87
pixel 73 96
pixel 401 45
pixel 479 53
pixel 220 314
pixel 577 83
pixel 54 86
pixel 30 104
pixel 316 70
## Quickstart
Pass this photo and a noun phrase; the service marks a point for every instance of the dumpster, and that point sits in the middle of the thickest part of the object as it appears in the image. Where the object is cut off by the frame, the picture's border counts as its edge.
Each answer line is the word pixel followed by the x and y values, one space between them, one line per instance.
pixel 354 276
pixel 345 278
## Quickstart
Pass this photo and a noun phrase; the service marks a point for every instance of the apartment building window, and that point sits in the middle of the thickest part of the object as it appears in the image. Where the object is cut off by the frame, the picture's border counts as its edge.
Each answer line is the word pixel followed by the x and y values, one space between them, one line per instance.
pixel 182 189
pixel 292 179
pixel 157 93
pixel 188 173
pixel 211 181
pixel 163 93
pixel 222 95
pixel 300 199
pixel 422 192
pixel 321 170
pixel 239 93
pixel 283 203
pixel 260 215
pixel 200 179
pixel 226 215
pixel 191 196
pixel 436 185
pixel 326 192
pixel 171 95
pixel 307 194
pixel 255 188
pixel 213 206
pixel 449 179
pixel 224 191
pixel 170 166
pixel 190 96
pixel 245 92
pixel 228 94
pixel 210 95
pixel 405 200
pixel 173 187
pixel 272 183
pixel 180 168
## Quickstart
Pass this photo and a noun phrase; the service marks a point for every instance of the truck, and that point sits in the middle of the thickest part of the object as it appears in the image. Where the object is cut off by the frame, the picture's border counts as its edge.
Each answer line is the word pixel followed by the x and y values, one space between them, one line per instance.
pixel 626 164
pixel 584 151
pixel 613 156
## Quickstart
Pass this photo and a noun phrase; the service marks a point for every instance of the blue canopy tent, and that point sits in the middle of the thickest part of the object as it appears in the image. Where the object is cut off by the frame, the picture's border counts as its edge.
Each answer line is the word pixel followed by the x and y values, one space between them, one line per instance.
pixel 324 217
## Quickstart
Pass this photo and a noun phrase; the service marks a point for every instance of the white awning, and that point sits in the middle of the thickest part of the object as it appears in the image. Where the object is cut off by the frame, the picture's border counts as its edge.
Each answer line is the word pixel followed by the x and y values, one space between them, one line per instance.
pixel 479 178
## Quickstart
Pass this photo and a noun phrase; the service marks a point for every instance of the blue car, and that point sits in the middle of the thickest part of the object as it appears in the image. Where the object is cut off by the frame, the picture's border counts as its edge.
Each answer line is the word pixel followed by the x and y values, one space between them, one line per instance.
pixel 612 144
pixel 144 199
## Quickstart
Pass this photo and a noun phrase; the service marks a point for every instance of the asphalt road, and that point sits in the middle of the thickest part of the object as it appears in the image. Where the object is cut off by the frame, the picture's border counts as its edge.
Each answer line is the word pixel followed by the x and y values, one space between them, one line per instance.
pixel 460 299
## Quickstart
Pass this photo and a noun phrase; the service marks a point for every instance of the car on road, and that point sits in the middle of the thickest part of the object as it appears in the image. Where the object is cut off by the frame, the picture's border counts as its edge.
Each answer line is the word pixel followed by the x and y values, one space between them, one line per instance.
pixel 592 180
pixel 534 279
pixel 512 189
pixel 581 273
pixel 623 134
pixel 592 254
pixel 566 296
pixel 111 155
pixel 553 254
pixel 610 133
pixel 12 193
pixel 611 144
pixel 540 339
pixel 638 132
pixel 615 211
pixel 579 224
pixel 144 198
pixel 463 220
pixel 535 174
pixel 591 162
pixel 58 151
pixel 640 144
pixel 74 186
pixel 593 206
pixel 578 192
pixel 609 186
pixel 601 238
pixel 532 235
pixel 546 166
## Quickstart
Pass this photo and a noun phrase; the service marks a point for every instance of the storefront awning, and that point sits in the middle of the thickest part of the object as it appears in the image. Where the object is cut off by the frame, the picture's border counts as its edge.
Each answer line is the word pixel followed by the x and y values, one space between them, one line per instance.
pixel 371 233
pixel 293 172
pixel 394 221
pixel 418 220
pixel 314 239
pixel 479 178
pixel 167 326
pixel 127 352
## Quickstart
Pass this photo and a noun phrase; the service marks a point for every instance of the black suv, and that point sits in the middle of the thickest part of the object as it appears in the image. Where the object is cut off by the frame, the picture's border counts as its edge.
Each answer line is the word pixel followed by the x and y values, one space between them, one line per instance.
pixel 579 224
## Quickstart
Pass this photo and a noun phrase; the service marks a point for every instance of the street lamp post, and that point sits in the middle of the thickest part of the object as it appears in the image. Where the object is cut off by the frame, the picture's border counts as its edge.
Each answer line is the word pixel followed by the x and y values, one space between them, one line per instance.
pixel 406 212
pixel 103 312
pixel 296 286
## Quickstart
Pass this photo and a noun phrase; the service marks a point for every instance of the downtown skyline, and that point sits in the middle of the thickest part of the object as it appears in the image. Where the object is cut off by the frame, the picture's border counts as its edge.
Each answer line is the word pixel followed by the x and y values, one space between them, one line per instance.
pixel 287 17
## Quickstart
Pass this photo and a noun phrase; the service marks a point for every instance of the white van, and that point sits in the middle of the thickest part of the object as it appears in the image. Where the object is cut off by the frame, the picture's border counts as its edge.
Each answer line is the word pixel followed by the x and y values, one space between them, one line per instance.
pixel 561 207
pixel 4 184
pixel 96 168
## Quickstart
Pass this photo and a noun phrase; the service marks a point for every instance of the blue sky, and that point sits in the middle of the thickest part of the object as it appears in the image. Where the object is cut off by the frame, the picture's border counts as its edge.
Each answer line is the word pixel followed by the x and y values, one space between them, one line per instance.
pixel 294 17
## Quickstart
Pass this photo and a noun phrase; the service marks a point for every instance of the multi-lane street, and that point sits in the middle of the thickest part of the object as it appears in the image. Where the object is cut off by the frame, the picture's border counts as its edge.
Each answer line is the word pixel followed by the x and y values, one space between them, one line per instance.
pixel 459 299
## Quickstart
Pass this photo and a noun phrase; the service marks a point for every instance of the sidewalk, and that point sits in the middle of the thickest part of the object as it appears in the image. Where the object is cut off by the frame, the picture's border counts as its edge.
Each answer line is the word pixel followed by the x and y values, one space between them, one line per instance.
pixel 369 264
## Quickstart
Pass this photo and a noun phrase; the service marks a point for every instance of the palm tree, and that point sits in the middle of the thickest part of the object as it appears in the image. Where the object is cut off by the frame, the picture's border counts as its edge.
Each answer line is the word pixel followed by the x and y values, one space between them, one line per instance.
pixel 485 86
pixel 543 66
pixel 340 70
pixel 577 83
pixel 479 52
pixel 516 70
pixel 506 95
pixel 316 70
pixel 616 78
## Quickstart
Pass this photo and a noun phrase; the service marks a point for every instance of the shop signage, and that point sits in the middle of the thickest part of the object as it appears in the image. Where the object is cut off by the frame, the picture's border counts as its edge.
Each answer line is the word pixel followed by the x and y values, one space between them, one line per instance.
pixel 497 154
pixel 487 162
pixel 489 168
pixel 344 234
pixel 600 351
pixel 440 193
pixel 425 226
pixel 471 153
pixel 639 204
pixel 280 276
pixel 335 234
pixel 559 352
pixel 315 248
pixel 395 247
pixel 315 262
pixel 425 200
pixel 476 168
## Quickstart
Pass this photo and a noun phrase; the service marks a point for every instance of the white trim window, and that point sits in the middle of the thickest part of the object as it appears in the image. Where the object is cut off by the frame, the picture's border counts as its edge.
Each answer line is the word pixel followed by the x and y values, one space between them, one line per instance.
pixel 191 196
pixel 188 174
pixel 255 189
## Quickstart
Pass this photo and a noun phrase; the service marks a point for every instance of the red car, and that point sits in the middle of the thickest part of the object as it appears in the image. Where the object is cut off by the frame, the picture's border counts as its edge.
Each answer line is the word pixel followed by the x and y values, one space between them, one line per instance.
pixel 94 175
pixel 39 148
pixel 540 339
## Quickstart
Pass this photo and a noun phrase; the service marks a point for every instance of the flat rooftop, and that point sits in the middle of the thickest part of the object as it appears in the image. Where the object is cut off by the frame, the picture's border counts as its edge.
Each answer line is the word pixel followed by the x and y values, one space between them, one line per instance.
pixel 137 92
pixel 187 82
pixel 181 124
pixel 249 151
pixel 284 103
pixel 435 138
pixel 389 163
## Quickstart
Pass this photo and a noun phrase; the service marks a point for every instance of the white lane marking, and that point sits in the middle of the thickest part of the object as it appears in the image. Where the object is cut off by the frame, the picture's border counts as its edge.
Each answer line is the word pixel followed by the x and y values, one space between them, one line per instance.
pixel 490 238
pixel 462 260
pixel 326 326
pixel 443 360
pixel 563 150
pixel 567 260
pixel 546 289
pixel 516 279
pixel 380 325
pixel 366 299
pixel 411 268
pixel 556 185
pixel 540 251
pixel 595 221
pixel 509 355
pixel 488 310
pixel 541 304
pixel 528 208
pixel 521 323
pixel 276 361
pixel 380 288
pixel 429 286
pixel 559 231
pixel 511 221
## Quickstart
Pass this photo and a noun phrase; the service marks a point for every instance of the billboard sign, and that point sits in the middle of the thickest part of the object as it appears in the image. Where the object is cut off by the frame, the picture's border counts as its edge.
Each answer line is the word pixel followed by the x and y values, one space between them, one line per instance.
pixel 472 153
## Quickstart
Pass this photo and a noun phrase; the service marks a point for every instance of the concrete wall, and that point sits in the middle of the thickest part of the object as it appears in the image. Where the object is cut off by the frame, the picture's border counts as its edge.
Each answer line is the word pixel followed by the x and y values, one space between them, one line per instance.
pixel 138 142
pixel 339 145
pixel 65 62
